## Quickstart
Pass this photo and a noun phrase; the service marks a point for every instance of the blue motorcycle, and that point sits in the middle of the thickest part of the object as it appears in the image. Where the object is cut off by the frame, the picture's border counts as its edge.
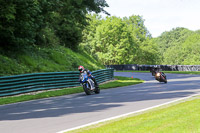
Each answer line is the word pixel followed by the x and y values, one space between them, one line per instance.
pixel 88 84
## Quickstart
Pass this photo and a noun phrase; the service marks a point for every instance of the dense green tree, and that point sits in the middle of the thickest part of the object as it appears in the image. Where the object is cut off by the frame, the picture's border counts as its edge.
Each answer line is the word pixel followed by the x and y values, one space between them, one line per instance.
pixel 7 17
pixel 136 24
pixel 191 51
pixel 89 32
pixel 148 53
pixel 114 40
pixel 18 22
pixel 180 46
pixel 172 38
pixel 45 22
pixel 173 56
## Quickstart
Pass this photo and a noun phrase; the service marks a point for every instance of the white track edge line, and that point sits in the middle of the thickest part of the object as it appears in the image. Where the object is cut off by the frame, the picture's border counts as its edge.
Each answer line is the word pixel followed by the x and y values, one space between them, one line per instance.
pixel 126 114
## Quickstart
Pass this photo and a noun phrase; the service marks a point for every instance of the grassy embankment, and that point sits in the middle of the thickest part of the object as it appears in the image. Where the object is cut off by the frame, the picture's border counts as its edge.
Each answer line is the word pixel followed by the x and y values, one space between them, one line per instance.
pixel 182 117
pixel 119 82
pixel 34 59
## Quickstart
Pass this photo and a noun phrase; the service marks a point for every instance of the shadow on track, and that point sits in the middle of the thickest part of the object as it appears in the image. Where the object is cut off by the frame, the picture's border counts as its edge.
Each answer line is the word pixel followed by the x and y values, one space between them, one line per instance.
pixel 177 87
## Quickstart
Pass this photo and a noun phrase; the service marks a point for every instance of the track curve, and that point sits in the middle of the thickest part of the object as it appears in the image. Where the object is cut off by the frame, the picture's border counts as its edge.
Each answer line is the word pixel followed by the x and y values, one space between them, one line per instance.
pixel 60 113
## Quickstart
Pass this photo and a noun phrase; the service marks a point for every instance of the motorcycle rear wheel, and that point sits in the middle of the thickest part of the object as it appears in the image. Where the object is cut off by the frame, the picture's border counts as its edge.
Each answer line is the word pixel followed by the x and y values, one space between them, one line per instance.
pixel 97 90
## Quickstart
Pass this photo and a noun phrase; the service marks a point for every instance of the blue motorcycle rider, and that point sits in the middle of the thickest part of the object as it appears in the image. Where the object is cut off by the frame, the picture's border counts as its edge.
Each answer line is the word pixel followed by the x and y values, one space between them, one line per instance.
pixel 83 70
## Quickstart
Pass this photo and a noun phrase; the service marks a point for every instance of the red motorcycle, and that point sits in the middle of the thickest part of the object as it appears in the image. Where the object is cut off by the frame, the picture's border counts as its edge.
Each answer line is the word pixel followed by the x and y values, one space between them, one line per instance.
pixel 161 77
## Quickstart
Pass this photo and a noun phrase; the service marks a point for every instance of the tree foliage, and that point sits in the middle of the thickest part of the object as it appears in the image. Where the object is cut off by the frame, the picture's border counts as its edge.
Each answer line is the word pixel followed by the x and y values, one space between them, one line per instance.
pixel 174 37
pixel 112 40
pixel 180 46
pixel 136 24
pixel 115 40
pixel 45 22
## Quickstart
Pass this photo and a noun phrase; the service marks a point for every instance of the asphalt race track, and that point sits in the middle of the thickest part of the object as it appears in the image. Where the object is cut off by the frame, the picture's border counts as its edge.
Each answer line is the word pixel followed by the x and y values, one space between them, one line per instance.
pixel 60 113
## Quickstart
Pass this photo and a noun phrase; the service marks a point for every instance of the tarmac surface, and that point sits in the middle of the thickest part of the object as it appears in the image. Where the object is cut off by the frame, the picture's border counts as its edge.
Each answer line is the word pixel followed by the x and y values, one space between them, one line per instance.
pixel 52 115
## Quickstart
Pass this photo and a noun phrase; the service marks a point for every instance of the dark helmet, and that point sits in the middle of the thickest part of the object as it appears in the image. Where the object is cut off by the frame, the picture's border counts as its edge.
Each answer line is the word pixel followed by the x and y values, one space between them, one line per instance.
pixel 81 68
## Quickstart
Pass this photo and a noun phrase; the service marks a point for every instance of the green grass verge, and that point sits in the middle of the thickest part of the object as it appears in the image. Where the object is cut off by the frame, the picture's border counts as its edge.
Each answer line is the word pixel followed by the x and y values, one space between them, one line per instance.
pixel 178 118
pixel 35 59
pixel 175 72
pixel 121 81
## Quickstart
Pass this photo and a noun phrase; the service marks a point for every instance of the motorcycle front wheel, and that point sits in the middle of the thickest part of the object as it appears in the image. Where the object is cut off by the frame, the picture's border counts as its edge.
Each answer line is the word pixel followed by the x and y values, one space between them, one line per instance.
pixel 164 80
pixel 88 91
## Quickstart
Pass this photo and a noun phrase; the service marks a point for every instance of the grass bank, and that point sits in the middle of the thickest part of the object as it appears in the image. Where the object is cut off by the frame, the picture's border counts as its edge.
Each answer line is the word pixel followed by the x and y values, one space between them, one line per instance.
pixel 119 82
pixel 34 59
pixel 178 118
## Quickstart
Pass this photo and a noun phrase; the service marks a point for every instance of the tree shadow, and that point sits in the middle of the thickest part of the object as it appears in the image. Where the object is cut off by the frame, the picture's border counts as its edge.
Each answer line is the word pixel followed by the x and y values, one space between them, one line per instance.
pixel 178 86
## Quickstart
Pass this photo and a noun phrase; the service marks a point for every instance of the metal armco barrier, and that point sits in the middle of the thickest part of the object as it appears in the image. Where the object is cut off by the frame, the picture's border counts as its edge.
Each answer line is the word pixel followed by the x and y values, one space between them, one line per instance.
pixel 18 84
pixel 162 67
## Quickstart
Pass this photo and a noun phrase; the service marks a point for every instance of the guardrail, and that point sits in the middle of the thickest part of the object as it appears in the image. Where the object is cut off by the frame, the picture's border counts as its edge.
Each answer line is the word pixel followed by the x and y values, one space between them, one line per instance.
pixel 18 84
pixel 162 67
